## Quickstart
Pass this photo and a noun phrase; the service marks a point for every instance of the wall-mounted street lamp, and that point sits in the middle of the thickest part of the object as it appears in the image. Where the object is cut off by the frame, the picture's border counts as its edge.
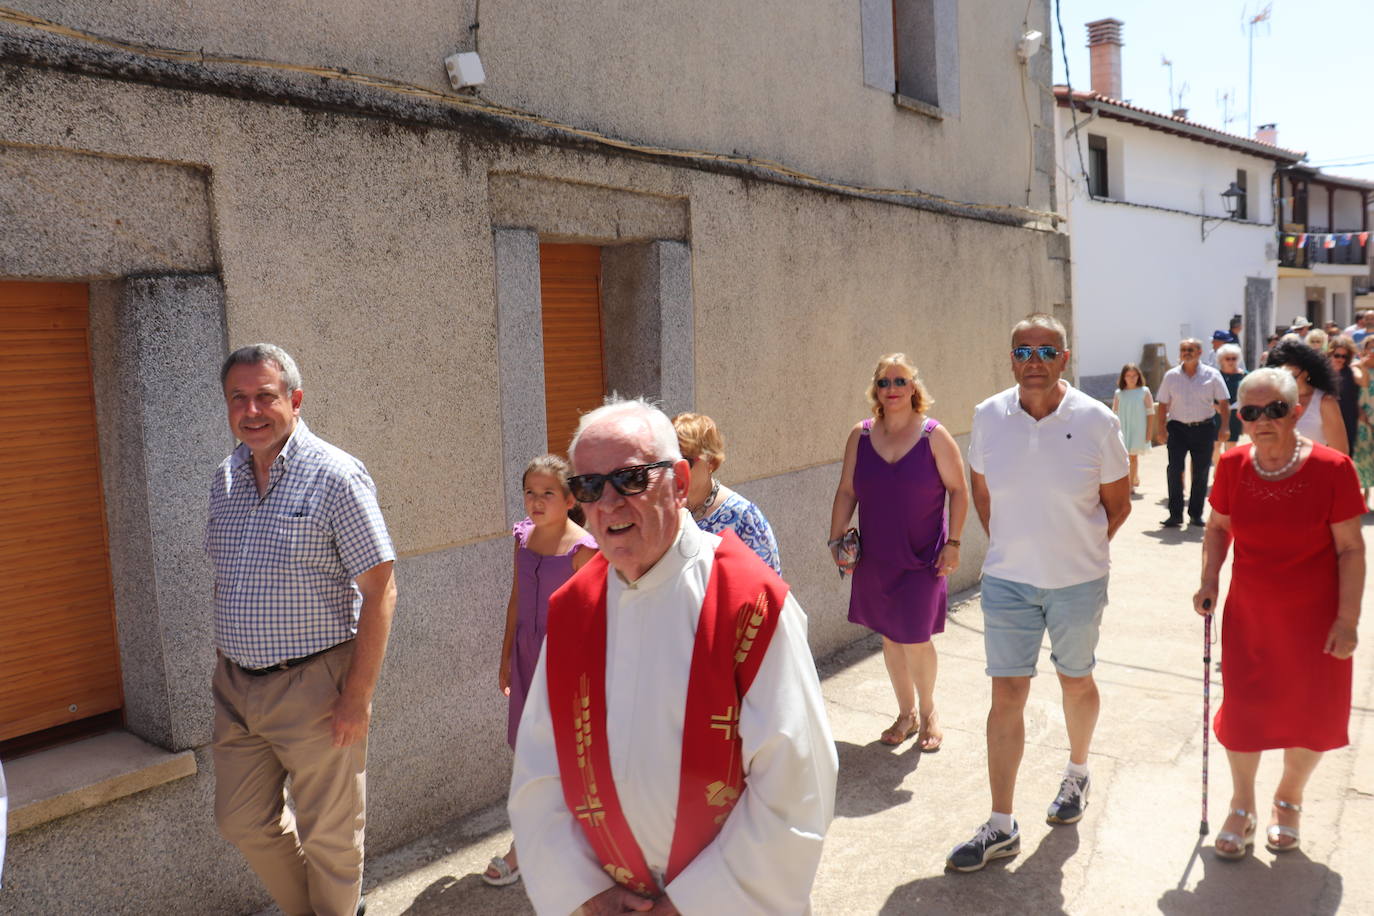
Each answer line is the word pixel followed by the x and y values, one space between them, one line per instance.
pixel 1230 200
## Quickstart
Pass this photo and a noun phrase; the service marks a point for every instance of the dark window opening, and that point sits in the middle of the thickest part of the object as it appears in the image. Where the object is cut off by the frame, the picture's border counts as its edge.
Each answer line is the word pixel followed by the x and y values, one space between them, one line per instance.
pixel 1097 166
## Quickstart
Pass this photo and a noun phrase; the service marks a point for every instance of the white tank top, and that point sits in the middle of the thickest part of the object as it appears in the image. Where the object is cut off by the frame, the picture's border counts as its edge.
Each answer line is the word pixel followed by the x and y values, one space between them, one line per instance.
pixel 1310 423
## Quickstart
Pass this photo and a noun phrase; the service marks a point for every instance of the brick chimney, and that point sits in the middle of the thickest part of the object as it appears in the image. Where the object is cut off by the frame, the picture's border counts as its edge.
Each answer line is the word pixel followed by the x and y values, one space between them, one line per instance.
pixel 1267 133
pixel 1104 43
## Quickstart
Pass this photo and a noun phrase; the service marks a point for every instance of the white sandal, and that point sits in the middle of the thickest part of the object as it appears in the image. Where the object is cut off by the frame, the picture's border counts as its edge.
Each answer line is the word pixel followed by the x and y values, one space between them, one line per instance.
pixel 504 873
pixel 1242 843
pixel 1275 831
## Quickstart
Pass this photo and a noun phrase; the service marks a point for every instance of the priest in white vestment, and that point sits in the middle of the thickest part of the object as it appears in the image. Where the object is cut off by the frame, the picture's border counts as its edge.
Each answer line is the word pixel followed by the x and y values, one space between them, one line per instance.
pixel 764 858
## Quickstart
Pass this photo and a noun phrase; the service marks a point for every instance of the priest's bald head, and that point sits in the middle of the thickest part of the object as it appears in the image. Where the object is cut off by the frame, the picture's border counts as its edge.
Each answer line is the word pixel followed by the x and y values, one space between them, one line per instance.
pixel 631 479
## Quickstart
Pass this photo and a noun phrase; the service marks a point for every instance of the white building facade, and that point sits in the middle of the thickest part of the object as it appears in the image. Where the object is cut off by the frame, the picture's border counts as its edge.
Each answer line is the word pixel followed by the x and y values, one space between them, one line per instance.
pixel 1155 256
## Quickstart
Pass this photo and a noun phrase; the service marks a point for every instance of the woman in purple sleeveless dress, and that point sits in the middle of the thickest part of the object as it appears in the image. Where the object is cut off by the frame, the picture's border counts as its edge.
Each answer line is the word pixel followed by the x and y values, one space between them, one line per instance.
pixel 899 468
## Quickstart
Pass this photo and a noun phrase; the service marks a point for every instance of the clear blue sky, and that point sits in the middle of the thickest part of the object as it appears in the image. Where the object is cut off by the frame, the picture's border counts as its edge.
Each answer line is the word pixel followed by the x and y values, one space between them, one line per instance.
pixel 1313 67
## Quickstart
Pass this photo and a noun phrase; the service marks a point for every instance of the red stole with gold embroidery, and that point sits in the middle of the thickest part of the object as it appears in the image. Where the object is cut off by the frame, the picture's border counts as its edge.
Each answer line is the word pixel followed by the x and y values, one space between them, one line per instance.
pixel 738 616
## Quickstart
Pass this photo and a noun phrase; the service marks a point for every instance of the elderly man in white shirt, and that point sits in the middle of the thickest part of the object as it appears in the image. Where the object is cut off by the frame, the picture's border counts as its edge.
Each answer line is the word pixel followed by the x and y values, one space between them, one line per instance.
pixel 1189 397
pixel 1051 484
pixel 620 799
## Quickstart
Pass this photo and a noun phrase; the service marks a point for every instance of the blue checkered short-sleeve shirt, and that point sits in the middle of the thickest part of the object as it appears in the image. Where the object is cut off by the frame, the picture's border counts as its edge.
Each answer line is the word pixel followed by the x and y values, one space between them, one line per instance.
pixel 285 562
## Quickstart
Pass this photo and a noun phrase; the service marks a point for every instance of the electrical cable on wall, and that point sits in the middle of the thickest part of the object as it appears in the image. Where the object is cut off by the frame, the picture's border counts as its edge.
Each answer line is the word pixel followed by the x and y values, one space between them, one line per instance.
pixel 1073 111
pixel 476 104
pixel 1025 105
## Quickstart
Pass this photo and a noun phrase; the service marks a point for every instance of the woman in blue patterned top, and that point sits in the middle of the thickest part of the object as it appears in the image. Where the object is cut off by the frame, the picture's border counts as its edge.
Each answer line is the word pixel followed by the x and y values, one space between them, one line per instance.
pixel 714 505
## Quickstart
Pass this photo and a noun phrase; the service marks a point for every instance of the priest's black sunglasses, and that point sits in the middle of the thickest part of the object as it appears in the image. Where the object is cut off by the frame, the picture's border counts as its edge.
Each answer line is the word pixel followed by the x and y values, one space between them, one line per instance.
pixel 1274 410
pixel 586 488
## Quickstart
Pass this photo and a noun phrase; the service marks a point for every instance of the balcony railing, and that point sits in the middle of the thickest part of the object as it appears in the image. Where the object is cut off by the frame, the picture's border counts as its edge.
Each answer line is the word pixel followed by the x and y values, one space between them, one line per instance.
pixel 1299 249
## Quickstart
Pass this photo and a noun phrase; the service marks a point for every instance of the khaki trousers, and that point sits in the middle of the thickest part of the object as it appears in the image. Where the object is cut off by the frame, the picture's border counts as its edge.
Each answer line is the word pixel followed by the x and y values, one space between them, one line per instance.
pixel 275 726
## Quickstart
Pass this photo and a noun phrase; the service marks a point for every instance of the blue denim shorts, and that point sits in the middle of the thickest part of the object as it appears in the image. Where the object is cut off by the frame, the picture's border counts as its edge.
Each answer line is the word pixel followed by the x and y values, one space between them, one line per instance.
pixel 1016 616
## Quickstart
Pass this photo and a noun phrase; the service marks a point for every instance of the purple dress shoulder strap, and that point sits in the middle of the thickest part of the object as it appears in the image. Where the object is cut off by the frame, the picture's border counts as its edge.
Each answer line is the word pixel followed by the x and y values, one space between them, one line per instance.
pixel 585 541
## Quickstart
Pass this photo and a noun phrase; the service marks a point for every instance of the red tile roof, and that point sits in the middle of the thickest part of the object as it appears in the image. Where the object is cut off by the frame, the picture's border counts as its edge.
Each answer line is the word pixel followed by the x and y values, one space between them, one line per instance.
pixel 1155 120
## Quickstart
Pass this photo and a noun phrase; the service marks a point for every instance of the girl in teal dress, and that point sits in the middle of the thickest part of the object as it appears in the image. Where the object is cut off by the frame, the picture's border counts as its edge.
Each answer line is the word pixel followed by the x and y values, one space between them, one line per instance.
pixel 1135 409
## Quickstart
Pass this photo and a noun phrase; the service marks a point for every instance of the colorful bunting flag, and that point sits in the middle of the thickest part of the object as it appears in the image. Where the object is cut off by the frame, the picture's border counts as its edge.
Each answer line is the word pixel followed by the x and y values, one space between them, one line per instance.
pixel 1363 237
pixel 1328 241
pixel 1288 241
pixel 1302 240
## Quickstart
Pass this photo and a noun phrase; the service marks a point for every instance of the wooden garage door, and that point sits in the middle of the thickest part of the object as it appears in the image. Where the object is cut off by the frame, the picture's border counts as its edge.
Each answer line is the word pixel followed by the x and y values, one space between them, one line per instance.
pixel 58 655
pixel 574 372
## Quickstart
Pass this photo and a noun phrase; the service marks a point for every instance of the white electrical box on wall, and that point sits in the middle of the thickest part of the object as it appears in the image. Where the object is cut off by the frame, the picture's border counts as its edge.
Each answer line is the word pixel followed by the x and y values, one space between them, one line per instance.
pixel 465 69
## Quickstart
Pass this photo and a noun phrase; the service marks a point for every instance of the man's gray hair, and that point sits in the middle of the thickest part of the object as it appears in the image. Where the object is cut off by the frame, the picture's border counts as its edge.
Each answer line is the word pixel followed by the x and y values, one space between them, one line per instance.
pixel 264 353
pixel 1229 349
pixel 1191 340
pixel 661 431
pixel 1042 320
pixel 1281 380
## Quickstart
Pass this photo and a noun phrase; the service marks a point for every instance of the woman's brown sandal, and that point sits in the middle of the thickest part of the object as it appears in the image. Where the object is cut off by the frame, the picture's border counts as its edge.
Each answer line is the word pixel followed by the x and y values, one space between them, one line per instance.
pixel 896 735
pixel 1278 831
pixel 1242 843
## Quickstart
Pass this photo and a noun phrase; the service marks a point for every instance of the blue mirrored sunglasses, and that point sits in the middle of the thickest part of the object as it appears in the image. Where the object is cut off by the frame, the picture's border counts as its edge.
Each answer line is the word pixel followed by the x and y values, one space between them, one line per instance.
pixel 1045 352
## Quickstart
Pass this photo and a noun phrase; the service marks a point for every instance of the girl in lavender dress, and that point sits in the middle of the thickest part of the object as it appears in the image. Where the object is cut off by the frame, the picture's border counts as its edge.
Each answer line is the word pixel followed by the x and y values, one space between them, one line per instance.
pixel 899 468
pixel 550 545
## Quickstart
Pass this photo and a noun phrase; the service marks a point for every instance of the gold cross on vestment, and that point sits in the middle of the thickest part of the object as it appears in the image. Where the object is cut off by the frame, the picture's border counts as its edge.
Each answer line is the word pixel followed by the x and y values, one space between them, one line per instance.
pixel 727 722
pixel 591 810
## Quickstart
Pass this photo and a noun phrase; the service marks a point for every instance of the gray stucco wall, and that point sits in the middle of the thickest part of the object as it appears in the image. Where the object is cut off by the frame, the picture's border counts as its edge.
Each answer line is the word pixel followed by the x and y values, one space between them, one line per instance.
pixel 783 80
pixel 378 253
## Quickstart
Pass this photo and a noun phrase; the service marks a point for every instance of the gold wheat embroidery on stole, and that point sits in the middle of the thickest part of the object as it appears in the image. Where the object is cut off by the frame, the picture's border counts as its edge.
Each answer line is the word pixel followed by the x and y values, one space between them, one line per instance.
pixel 747 626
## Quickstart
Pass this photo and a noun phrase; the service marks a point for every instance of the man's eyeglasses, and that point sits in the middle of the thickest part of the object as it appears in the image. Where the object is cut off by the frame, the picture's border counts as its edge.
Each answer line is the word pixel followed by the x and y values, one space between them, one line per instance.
pixel 1274 410
pixel 900 382
pixel 1044 351
pixel 628 481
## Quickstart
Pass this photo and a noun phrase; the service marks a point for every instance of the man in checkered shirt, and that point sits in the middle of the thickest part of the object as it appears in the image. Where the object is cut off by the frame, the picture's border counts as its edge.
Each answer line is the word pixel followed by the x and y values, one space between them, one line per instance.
pixel 304 596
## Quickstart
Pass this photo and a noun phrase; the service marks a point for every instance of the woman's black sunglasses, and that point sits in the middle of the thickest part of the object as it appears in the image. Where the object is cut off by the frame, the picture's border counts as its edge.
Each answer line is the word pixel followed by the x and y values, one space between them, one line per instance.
pixel 586 488
pixel 900 382
pixel 1274 410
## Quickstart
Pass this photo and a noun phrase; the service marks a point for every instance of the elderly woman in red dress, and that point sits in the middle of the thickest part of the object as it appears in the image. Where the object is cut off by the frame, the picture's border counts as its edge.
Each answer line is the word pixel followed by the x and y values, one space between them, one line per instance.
pixel 1292 509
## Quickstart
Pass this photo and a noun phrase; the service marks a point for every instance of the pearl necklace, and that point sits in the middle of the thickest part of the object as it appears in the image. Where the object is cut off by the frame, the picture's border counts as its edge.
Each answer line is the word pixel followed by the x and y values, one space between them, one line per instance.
pixel 1292 463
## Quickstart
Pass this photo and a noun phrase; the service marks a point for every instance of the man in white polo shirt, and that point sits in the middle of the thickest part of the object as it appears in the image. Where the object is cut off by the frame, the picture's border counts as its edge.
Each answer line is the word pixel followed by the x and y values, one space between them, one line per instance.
pixel 1051 483
pixel 1190 396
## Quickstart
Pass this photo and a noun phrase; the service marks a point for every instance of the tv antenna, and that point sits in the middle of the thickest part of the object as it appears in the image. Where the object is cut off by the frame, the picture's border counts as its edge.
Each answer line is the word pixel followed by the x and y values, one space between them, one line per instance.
pixel 1226 100
pixel 1175 101
pixel 1249 22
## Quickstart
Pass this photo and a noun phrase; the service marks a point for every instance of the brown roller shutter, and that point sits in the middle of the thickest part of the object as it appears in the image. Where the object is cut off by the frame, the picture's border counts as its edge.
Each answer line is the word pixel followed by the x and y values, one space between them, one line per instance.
pixel 574 374
pixel 59 660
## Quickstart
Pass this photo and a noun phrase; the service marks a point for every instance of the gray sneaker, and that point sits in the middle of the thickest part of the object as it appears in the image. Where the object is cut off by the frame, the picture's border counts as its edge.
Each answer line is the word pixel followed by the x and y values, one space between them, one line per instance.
pixel 987 844
pixel 1069 804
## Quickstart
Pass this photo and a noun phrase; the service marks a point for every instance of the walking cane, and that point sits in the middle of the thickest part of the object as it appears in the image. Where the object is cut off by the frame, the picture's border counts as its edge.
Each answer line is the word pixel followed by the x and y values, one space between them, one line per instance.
pixel 1206 703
